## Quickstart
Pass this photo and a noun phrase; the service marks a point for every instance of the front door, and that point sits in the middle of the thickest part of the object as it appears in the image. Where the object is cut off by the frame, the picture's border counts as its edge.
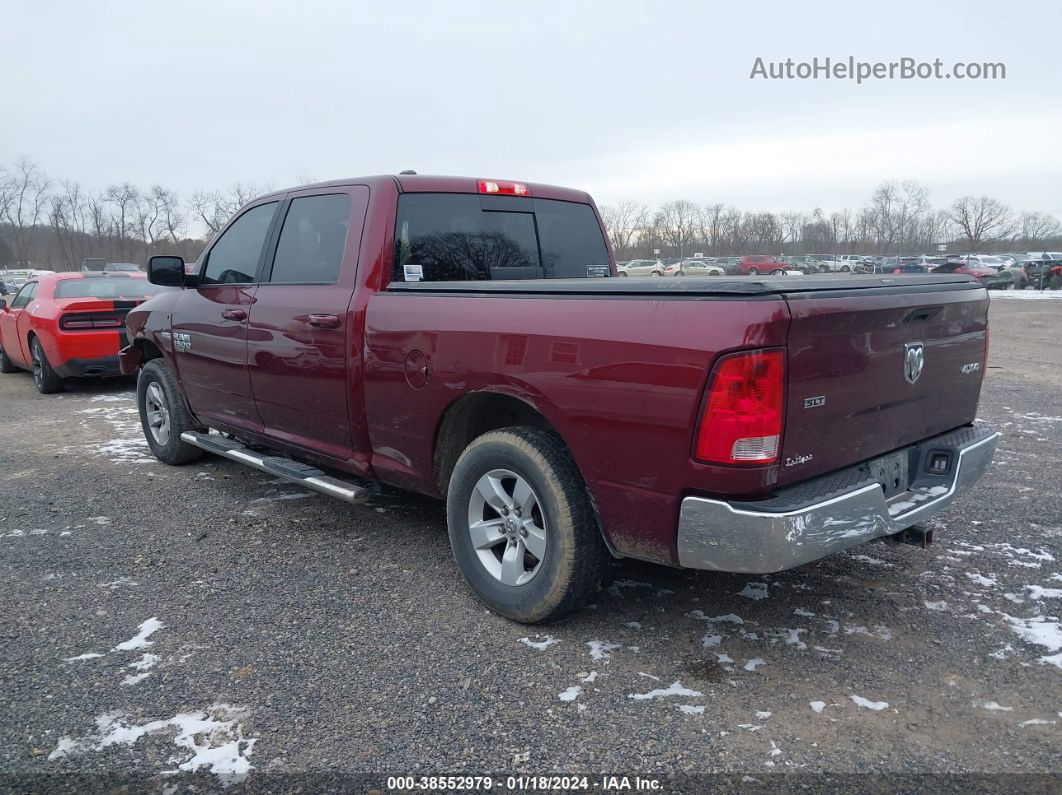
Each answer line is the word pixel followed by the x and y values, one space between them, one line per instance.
pixel 210 321
pixel 300 331
pixel 14 326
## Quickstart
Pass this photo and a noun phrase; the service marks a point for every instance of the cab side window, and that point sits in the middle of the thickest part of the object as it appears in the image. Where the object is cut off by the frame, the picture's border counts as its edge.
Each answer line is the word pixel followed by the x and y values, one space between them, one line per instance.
pixel 25 295
pixel 310 249
pixel 233 259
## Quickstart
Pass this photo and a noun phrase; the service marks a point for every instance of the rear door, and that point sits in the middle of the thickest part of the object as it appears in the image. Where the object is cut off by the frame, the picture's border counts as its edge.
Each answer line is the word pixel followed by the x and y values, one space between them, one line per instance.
pixel 875 369
pixel 210 322
pixel 299 333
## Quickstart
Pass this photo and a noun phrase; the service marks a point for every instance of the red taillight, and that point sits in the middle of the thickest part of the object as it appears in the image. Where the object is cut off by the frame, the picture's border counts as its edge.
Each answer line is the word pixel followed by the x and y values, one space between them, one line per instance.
pixel 80 322
pixel 503 188
pixel 742 420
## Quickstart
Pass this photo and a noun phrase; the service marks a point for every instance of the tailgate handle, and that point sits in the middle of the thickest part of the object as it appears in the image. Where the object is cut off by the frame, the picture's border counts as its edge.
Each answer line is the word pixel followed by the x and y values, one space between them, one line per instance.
pixel 324 321
pixel 921 314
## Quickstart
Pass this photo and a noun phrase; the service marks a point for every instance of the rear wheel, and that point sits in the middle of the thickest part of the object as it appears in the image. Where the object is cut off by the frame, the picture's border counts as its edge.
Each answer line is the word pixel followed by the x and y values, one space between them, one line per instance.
pixel 45 378
pixel 163 415
pixel 845 269
pixel 754 271
pixel 622 273
pixel 522 529
pixel 778 272
pixel 656 273
pixel 6 365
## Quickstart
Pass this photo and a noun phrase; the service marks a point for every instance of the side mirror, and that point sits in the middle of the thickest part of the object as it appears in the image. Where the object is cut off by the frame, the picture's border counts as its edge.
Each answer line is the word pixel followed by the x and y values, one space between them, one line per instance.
pixel 166 271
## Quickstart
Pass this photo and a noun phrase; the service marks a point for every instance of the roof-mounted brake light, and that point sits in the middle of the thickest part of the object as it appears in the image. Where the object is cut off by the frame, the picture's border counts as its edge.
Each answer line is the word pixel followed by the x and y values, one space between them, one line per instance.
pixel 503 188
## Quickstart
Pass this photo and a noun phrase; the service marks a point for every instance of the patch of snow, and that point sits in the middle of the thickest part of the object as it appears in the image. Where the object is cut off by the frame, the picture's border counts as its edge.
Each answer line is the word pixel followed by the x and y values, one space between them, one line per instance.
pixel 817 706
pixel 140 640
pixel 1042 632
pixel 868 704
pixel 675 689
pixel 987 582
pixel 1036 593
pixel 89 656
pixel 1036 722
pixel 754 590
pixel 590 678
pixel 541 645
pixel 992 706
pixel 942 605
pixel 571 693
pixel 211 739
pixel 602 649
pixel 754 663
pixel 690 709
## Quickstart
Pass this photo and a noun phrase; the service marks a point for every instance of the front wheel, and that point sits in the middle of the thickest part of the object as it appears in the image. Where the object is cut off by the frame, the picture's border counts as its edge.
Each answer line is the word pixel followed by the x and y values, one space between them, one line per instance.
pixel 844 269
pixel 45 378
pixel 754 272
pixel 656 273
pixel 622 273
pixel 163 415
pixel 522 529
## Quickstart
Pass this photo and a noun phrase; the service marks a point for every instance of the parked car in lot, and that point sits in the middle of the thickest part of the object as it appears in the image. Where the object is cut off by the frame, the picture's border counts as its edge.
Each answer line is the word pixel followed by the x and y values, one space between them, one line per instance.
pixel 439 334
pixel 828 263
pixel 990 278
pixel 1043 274
pixel 693 267
pixel 68 324
pixel 755 264
pixel 3 288
pixel 641 267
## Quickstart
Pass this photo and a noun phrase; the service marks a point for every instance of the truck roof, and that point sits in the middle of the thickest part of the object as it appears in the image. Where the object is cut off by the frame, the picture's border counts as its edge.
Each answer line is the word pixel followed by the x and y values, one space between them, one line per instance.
pixel 432 183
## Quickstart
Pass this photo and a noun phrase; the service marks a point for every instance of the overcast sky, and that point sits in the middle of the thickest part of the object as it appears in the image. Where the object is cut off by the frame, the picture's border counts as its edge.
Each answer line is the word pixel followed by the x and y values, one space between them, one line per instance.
pixel 644 100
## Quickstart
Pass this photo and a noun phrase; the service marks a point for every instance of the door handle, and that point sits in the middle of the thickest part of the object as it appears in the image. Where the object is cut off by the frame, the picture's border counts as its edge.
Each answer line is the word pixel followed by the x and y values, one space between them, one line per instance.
pixel 234 314
pixel 324 321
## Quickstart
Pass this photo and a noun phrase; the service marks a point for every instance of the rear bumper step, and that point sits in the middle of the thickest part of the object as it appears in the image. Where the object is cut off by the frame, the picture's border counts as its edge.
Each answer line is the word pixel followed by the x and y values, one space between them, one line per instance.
pixel 286 468
pixel 829 514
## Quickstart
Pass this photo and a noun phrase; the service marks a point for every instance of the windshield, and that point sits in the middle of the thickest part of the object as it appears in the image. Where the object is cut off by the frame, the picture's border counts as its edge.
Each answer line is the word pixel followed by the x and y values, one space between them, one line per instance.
pixel 106 288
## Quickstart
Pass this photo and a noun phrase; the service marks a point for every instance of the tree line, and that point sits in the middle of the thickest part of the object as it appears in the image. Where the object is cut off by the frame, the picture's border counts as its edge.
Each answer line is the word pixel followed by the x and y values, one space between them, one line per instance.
pixel 897 219
pixel 54 224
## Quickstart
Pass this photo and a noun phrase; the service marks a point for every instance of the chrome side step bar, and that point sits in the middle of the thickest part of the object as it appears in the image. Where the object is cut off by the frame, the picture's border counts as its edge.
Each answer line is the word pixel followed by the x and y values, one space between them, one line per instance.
pixel 286 468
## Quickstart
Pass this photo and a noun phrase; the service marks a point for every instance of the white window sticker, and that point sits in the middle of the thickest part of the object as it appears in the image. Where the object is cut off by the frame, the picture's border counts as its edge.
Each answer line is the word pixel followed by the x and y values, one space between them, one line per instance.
pixel 413 273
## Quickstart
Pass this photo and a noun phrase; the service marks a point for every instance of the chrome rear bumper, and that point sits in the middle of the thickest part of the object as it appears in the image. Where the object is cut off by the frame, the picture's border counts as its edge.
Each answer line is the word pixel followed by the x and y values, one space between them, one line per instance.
pixel 759 538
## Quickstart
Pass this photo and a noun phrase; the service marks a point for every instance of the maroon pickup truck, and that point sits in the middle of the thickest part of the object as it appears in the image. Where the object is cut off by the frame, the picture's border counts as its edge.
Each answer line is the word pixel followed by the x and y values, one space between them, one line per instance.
pixel 465 339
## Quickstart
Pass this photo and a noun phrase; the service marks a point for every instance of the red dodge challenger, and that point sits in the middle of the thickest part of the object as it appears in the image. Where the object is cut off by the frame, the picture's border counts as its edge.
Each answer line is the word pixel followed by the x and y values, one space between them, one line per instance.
pixel 69 324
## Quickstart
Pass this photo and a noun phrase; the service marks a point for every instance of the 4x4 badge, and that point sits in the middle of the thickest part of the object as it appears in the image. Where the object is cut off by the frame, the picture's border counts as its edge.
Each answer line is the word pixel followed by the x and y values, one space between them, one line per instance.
pixel 913 361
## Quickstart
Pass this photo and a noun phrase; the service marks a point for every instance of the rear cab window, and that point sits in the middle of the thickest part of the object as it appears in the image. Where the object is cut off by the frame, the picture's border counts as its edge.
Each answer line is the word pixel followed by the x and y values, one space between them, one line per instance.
pixel 310 248
pixel 469 237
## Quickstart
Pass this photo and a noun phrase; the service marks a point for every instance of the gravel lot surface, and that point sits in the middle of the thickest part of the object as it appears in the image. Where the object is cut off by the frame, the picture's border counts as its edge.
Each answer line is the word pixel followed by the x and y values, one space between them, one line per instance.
pixel 210 619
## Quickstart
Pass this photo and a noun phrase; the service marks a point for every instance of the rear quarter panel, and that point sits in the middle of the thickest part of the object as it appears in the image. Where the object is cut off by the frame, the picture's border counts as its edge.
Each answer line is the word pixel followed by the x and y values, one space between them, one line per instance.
pixel 620 379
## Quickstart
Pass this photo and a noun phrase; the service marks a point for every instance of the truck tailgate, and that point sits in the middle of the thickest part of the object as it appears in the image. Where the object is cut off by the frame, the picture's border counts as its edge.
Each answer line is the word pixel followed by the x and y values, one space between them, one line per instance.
pixel 853 391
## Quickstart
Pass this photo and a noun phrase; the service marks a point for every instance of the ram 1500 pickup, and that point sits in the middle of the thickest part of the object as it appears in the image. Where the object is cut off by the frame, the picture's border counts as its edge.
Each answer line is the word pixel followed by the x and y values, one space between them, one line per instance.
pixel 466 339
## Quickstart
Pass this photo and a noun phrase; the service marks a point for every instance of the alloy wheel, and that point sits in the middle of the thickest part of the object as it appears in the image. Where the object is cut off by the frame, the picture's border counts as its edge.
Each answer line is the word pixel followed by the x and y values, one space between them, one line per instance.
pixel 507 527
pixel 158 414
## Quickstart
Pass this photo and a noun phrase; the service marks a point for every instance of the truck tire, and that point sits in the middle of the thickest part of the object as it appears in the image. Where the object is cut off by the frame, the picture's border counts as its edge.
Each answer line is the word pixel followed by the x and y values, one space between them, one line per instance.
pixel 46 380
pixel 6 365
pixel 163 415
pixel 522 527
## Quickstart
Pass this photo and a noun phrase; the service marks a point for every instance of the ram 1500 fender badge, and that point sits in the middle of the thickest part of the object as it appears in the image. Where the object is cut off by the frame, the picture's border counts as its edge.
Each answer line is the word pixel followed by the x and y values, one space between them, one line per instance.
pixel 814 402
pixel 913 361
pixel 798 459
pixel 972 367
pixel 182 342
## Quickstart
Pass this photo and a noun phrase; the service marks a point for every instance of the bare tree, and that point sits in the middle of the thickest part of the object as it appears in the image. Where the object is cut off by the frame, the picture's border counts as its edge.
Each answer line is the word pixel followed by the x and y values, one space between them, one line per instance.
pixel 679 222
pixel 981 220
pixel 24 206
pixel 622 222
pixel 1037 228
pixel 214 208
pixel 68 214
